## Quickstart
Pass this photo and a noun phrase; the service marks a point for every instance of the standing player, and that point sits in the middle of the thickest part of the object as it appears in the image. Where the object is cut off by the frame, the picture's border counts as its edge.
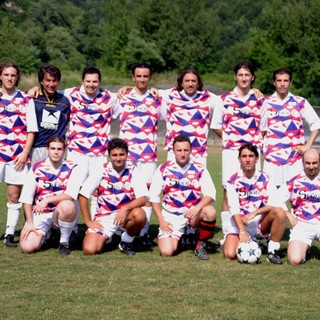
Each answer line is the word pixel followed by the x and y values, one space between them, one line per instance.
pixel 52 109
pixel 139 113
pixel 303 191
pixel 48 195
pixel 17 130
pixel 284 141
pixel 120 198
pixel 237 121
pixel 253 207
pixel 183 182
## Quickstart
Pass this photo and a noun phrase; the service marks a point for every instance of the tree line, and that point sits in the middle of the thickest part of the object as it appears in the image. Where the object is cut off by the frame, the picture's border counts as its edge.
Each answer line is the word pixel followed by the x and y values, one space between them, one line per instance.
pixel 210 35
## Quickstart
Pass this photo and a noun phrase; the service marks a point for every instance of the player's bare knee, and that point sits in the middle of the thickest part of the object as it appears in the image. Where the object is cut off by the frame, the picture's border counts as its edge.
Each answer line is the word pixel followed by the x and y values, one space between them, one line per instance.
pixel 139 217
pixel 209 213
pixel 295 259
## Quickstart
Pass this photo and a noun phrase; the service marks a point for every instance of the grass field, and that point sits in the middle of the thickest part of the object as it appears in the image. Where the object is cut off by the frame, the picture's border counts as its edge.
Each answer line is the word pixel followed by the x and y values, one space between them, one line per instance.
pixel 147 286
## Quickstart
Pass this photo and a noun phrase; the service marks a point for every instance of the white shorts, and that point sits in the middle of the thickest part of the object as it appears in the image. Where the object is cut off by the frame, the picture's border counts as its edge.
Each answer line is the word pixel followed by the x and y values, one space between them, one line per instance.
pixel 305 231
pixel 178 223
pixel 38 154
pixel 202 160
pixel 146 170
pixel 230 227
pixel 10 175
pixel 88 163
pixel 45 221
pixel 281 174
pixel 231 164
pixel 109 228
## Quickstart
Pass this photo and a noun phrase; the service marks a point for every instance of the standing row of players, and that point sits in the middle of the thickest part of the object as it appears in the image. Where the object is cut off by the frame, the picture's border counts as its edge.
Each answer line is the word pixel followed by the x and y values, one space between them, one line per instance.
pixel 239 117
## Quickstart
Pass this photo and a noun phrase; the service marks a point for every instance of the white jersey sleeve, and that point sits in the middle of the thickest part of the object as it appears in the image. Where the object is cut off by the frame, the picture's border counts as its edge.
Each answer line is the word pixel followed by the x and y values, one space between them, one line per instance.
pixel 310 116
pixel 217 117
pixel 91 184
pixel 29 188
pixel 207 186
pixel 156 187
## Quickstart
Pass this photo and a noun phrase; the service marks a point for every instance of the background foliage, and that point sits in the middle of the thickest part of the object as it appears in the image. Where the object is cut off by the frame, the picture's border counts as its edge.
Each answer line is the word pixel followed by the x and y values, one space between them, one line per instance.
pixel 211 35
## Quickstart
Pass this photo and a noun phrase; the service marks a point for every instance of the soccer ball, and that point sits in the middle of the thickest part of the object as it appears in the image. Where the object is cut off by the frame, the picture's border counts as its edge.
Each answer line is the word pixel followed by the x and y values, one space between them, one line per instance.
pixel 248 252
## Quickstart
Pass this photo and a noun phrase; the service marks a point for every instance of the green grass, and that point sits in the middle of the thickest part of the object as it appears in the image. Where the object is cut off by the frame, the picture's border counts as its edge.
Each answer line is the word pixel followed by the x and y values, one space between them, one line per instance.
pixel 147 286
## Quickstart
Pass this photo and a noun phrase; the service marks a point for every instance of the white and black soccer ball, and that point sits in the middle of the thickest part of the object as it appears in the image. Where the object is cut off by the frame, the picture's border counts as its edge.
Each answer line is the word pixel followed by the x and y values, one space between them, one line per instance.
pixel 248 252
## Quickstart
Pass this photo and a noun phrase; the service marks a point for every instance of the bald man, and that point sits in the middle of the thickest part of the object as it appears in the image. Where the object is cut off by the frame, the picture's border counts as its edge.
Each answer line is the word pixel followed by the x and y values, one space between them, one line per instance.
pixel 303 191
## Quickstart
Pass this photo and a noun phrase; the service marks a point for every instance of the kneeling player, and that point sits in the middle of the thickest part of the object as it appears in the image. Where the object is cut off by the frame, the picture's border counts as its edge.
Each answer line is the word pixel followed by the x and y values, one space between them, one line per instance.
pixel 183 182
pixel 121 196
pixel 48 196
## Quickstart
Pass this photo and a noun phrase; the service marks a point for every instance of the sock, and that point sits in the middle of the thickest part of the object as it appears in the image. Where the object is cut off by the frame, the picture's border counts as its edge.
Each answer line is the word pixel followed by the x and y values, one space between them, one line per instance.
pixel 272 246
pixel 93 206
pixel 65 230
pixel 126 238
pixel 148 211
pixel 12 217
pixel 205 231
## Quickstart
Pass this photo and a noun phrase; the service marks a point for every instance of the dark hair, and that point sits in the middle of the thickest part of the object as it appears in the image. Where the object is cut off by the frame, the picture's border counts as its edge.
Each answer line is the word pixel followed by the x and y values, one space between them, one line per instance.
pixel 141 65
pixel 9 64
pixel 181 138
pixel 251 147
pixel 51 69
pixel 116 143
pixel 56 139
pixel 91 70
pixel 282 71
pixel 245 65
pixel 186 71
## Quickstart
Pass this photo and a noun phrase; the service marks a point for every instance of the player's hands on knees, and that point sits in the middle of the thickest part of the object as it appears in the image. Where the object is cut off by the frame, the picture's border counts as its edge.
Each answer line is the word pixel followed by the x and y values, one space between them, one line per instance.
pixel 95 225
pixel 165 226
pixel 121 217
pixel 20 161
pixel 246 218
pixel 244 237
pixel 28 227
pixel 39 207
pixel 192 213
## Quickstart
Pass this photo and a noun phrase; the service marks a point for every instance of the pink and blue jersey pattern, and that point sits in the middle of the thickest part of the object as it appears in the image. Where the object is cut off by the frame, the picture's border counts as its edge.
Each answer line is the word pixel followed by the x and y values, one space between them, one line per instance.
pixel 285 129
pixel 115 190
pixel 181 189
pixel 139 115
pixel 252 194
pixel 189 117
pixel 90 120
pixel 241 120
pixel 49 181
pixel 305 197
pixel 13 125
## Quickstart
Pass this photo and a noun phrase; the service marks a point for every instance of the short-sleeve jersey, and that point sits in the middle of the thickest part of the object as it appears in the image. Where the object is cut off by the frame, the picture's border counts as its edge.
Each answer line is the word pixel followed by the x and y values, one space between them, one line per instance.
pixel 17 117
pixel 247 195
pixel 304 195
pixel 188 116
pixel 52 117
pixel 139 115
pixel 239 118
pixel 182 188
pixel 46 181
pixel 285 128
pixel 90 119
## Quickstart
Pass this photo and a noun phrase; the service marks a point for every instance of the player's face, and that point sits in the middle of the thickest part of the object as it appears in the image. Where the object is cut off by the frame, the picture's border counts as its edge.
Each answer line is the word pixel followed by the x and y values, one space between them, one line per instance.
pixel 182 152
pixel 190 84
pixel 118 158
pixel 282 84
pixel 91 84
pixel 56 152
pixel 248 161
pixel 244 79
pixel 141 79
pixel 50 84
pixel 9 78
pixel 311 165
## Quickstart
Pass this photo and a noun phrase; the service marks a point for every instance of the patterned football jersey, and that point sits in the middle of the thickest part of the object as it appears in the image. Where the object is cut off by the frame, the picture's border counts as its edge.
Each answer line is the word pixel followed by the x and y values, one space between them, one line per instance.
pixel 90 120
pixel 285 127
pixel 181 189
pixel 13 124
pixel 304 195
pixel 139 115
pixel 252 194
pixel 51 182
pixel 115 190
pixel 240 118
pixel 189 116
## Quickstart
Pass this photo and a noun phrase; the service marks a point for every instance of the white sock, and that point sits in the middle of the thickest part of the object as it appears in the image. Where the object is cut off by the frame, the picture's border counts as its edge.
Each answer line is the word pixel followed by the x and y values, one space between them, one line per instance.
pixel 126 238
pixel 272 246
pixel 12 217
pixel 148 211
pixel 65 230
